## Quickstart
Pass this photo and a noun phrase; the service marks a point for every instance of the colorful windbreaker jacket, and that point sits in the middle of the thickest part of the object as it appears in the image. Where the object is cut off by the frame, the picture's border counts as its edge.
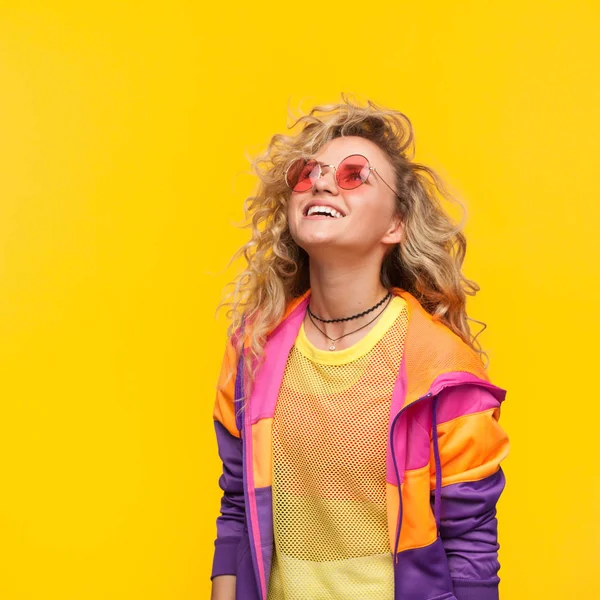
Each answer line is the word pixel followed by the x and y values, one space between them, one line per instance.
pixel 443 473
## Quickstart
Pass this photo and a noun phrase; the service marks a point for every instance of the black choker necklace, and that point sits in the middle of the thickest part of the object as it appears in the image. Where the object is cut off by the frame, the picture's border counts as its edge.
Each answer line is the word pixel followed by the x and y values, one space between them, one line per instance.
pixel 362 314
pixel 332 341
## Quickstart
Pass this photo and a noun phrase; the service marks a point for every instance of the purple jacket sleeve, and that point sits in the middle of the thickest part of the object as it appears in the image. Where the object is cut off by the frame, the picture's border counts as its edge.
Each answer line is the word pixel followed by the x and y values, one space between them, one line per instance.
pixel 469 531
pixel 473 445
pixel 230 523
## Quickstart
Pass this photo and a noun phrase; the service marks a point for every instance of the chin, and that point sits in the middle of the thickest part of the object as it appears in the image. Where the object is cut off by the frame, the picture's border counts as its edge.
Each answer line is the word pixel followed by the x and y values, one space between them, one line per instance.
pixel 317 241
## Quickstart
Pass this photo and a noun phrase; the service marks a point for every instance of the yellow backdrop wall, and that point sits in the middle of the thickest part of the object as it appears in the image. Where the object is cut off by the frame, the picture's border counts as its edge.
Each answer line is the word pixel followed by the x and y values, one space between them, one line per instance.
pixel 124 128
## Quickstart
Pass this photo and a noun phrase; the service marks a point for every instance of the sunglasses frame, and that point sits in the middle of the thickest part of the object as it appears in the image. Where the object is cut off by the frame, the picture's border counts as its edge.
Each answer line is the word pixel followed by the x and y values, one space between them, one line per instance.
pixel 322 165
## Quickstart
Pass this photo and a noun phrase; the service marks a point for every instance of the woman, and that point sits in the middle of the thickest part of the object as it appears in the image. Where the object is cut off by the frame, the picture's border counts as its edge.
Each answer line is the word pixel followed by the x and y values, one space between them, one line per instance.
pixel 358 428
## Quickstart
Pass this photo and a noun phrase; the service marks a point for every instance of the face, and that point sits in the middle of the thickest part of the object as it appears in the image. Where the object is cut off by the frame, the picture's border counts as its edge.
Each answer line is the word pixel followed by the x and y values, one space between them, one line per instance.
pixel 368 221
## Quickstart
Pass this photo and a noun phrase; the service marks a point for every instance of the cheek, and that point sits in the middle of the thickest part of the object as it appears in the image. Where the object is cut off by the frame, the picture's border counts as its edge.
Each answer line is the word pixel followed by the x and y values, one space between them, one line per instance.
pixel 293 206
pixel 372 213
pixel 292 215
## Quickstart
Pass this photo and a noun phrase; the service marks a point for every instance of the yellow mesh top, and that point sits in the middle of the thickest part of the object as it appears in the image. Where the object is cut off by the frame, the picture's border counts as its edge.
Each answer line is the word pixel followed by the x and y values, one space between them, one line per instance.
pixel 329 446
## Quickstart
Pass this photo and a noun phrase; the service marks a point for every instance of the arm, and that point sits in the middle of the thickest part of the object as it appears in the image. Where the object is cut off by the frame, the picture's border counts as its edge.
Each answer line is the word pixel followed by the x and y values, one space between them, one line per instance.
pixel 230 523
pixel 223 587
pixel 471 445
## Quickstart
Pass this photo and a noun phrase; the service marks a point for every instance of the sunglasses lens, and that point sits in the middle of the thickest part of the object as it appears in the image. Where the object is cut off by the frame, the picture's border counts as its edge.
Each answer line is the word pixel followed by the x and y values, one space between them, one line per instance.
pixel 352 172
pixel 300 174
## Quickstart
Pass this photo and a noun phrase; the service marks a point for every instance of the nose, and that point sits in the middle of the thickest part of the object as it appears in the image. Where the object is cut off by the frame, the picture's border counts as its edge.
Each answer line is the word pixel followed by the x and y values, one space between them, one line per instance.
pixel 326 182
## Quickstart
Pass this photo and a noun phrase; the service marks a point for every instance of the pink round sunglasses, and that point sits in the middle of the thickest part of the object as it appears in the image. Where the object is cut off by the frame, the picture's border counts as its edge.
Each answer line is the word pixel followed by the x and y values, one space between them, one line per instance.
pixel 351 172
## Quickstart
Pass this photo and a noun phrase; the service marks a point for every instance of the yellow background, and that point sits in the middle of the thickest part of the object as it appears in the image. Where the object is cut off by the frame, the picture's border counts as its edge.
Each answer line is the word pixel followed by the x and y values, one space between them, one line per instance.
pixel 124 128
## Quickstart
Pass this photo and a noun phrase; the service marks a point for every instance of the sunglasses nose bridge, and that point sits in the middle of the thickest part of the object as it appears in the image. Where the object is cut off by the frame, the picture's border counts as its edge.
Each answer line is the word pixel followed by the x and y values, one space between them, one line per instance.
pixel 321 175
pixel 321 167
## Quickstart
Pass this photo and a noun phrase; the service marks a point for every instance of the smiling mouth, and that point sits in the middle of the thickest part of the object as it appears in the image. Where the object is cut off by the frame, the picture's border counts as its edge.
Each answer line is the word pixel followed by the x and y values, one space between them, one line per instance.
pixel 324 211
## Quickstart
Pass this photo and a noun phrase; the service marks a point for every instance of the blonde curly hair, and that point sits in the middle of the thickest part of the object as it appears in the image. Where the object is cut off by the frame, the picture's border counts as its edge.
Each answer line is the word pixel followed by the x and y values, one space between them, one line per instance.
pixel 427 263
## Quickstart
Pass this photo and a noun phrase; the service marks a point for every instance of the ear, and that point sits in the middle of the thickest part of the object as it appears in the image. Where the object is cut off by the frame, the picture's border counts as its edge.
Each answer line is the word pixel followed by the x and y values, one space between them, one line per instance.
pixel 395 231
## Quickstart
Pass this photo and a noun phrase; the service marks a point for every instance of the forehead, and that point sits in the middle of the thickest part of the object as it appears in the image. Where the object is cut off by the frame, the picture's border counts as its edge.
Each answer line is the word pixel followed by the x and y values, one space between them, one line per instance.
pixel 337 149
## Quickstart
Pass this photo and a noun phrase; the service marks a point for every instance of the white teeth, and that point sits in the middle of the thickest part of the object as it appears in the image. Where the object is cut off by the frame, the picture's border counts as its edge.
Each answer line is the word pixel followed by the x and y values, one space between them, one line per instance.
pixel 324 209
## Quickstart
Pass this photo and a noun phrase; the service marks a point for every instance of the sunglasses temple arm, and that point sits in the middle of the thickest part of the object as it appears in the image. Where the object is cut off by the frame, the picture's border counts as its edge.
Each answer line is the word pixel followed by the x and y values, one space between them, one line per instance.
pixel 384 181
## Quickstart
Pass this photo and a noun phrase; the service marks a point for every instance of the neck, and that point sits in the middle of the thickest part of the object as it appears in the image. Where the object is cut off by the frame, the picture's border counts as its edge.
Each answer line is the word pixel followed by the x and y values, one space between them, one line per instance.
pixel 343 291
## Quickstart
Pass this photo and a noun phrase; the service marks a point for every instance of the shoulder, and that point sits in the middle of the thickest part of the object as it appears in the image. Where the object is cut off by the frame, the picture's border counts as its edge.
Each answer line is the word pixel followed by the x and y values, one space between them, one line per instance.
pixel 294 303
pixel 291 306
pixel 433 347
pixel 224 405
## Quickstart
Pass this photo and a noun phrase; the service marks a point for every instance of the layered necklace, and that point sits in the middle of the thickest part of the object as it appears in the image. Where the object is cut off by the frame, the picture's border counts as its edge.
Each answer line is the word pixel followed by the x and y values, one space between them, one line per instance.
pixel 332 341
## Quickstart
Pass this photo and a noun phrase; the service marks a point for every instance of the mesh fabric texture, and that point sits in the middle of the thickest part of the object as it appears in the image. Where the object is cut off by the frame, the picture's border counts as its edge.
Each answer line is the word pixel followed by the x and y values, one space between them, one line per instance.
pixel 330 432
